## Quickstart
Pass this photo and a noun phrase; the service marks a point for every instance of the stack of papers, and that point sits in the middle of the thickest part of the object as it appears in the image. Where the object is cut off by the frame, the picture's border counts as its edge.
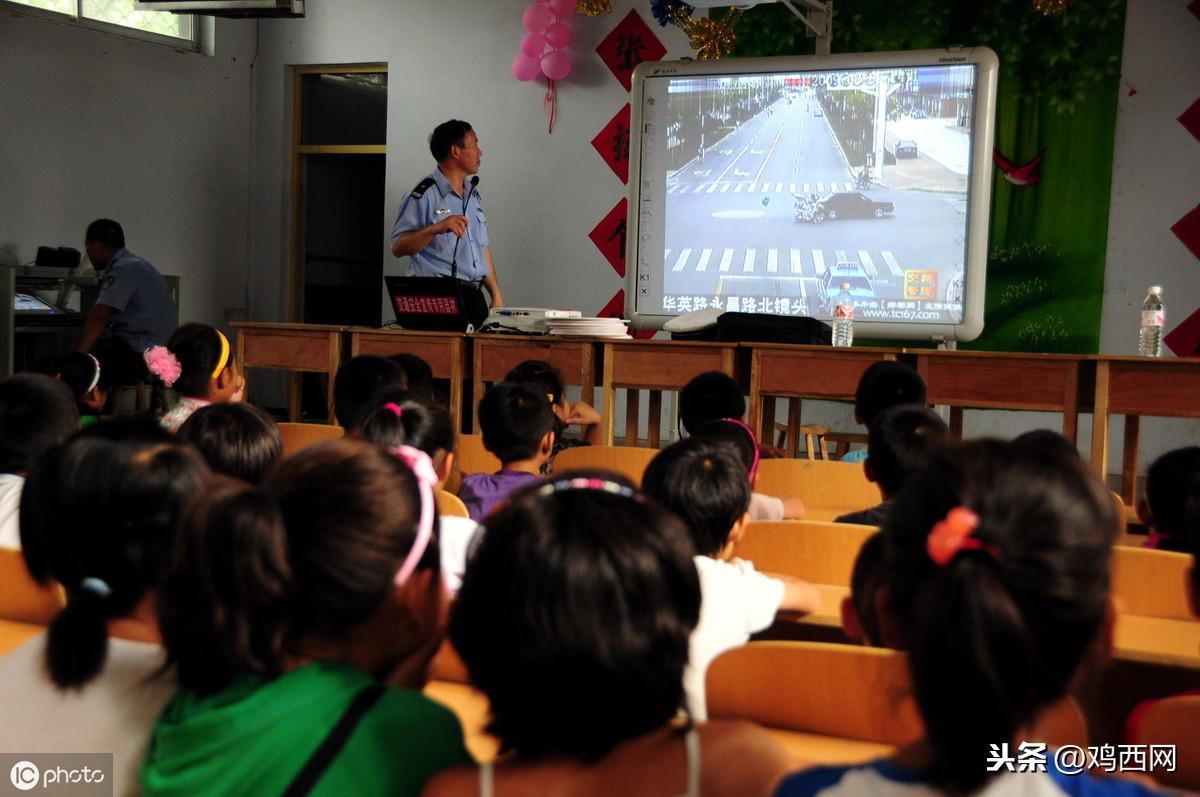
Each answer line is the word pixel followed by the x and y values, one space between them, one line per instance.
pixel 589 327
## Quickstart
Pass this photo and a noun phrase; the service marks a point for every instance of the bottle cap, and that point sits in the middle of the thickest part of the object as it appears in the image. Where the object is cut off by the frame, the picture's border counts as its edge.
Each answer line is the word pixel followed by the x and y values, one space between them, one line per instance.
pixel 1156 289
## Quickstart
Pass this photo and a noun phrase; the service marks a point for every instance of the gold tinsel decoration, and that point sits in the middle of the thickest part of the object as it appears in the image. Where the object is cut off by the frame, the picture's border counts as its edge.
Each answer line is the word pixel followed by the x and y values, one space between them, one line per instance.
pixel 1050 8
pixel 711 39
pixel 593 8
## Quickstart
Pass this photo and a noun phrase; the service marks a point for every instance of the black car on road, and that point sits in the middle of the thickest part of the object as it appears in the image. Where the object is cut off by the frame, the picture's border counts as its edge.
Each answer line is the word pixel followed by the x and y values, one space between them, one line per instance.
pixel 851 205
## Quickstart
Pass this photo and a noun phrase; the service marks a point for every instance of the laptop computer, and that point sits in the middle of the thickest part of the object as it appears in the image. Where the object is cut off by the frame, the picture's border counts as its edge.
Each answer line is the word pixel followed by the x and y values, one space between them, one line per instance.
pixel 435 304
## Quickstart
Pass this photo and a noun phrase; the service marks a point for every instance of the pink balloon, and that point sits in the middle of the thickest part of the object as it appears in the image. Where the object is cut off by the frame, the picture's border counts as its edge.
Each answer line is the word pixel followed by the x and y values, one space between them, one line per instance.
pixel 558 35
pixel 533 44
pixel 563 8
pixel 525 68
pixel 556 65
pixel 537 18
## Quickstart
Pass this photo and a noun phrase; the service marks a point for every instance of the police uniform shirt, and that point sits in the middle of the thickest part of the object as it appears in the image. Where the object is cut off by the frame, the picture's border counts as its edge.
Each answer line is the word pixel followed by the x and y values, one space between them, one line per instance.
pixel 432 201
pixel 143 310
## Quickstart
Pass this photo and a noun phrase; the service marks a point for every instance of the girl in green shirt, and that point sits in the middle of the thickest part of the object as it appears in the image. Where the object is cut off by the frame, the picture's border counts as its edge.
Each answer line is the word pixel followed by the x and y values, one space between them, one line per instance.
pixel 290 604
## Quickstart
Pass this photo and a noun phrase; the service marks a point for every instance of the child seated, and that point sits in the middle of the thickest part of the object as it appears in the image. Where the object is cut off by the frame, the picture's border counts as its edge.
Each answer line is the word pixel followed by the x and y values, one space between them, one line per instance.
pixel 198 364
pixel 709 397
pixel 81 373
pixel 518 429
pixel 741 437
pixel 237 440
pixel 36 413
pixel 355 386
pixel 403 418
pixel 546 378
pixel 705 484
pixel 1170 479
pixel 99 517
pixel 887 383
pixel 573 619
pixel 860 612
pixel 900 438
pixel 998 581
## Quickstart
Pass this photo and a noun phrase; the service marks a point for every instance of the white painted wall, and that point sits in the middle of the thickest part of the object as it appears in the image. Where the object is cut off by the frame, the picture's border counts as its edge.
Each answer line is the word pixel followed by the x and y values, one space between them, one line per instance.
pixel 94 125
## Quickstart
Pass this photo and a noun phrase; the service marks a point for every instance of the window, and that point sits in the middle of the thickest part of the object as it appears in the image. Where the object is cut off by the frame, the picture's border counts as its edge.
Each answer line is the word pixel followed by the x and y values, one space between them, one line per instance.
pixel 178 30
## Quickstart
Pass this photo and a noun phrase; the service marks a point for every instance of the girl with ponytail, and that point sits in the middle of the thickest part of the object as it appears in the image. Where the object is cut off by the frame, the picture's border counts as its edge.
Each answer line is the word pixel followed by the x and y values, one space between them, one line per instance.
pixel 997 584
pixel 197 363
pixel 98 517
pixel 291 606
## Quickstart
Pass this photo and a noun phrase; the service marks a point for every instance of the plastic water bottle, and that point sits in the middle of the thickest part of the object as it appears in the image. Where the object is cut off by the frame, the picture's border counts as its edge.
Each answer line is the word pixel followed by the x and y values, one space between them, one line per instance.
pixel 843 319
pixel 1153 318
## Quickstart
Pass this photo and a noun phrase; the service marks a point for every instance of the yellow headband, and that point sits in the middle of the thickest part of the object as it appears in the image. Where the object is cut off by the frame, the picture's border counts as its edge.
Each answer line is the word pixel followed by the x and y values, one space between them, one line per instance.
pixel 223 360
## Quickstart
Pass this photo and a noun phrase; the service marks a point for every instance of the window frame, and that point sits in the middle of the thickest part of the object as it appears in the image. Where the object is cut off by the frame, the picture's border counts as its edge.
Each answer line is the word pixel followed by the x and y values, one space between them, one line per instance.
pixel 201 41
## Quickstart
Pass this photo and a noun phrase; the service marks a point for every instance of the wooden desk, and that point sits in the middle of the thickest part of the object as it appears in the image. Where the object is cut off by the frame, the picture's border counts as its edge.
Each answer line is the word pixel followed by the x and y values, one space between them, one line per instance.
pixel 1137 386
pixel 446 353
pixel 306 348
pixel 798 372
pixel 996 380
pixel 493 356
pixel 654 365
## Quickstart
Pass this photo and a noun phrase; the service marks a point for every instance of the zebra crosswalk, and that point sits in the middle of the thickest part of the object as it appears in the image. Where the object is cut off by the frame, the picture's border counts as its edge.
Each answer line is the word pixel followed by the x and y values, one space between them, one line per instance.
pixel 768 187
pixel 782 262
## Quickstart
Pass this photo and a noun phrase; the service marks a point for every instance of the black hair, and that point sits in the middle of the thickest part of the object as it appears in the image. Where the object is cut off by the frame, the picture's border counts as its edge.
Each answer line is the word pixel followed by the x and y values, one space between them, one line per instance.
pixel 197 347
pixel 99 516
pixel 727 432
pixel 36 412
pixel 237 440
pixel 541 375
pixel 1046 438
pixel 1170 479
pixel 578 603
pixel 309 555
pixel 514 419
pixel 996 635
pixel 899 440
pixel 356 383
pixel 884 384
pixel 422 423
pixel 418 375
pixel 704 483
pixel 446 135
pixel 107 232
pixel 865 578
pixel 710 397
pixel 77 371
pixel 1191 541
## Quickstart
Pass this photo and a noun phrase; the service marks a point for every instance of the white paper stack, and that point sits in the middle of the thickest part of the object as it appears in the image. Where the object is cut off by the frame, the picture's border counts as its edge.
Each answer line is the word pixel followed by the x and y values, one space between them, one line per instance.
pixel 589 327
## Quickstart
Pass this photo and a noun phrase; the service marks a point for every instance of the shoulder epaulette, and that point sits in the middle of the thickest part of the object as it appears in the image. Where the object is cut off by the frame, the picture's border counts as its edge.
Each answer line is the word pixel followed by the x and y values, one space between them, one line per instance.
pixel 421 188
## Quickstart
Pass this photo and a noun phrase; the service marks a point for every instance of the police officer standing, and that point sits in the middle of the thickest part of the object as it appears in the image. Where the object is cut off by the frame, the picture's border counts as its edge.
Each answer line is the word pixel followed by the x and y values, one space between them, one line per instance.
pixel 441 225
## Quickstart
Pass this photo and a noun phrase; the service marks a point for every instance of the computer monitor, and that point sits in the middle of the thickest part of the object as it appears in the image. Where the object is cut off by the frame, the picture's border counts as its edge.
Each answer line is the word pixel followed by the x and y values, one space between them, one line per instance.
pixel 788 185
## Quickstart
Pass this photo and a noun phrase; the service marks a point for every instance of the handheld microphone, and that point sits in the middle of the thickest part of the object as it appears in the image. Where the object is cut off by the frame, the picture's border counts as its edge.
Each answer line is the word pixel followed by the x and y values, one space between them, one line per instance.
pixel 454 257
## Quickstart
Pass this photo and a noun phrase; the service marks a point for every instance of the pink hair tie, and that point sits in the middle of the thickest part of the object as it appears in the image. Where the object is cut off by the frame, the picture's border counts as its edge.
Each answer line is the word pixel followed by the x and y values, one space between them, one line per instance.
pixel 954 534
pixel 753 473
pixel 422 469
pixel 395 408
pixel 163 364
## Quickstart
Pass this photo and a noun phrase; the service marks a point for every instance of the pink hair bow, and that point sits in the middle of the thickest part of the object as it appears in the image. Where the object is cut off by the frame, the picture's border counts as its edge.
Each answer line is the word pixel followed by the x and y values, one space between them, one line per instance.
pixel 422 469
pixel 163 364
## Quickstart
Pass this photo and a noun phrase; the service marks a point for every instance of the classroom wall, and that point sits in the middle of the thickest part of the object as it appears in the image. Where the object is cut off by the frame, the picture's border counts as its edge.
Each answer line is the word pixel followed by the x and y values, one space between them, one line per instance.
pixel 93 124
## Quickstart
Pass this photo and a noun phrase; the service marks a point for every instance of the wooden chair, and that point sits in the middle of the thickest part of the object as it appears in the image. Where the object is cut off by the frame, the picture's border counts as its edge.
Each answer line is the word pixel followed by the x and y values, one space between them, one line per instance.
pixel 450 504
pixel 827 702
pixel 22 599
pixel 828 489
pixel 816 551
pixel 629 461
pixel 1151 583
pixel 14 634
pixel 1174 722
pixel 297 436
pixel 450 686
pixel 473 457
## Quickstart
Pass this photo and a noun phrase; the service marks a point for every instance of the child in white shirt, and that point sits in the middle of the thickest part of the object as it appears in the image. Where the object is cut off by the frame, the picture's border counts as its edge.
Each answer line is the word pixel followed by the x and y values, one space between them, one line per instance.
pixel 705 484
